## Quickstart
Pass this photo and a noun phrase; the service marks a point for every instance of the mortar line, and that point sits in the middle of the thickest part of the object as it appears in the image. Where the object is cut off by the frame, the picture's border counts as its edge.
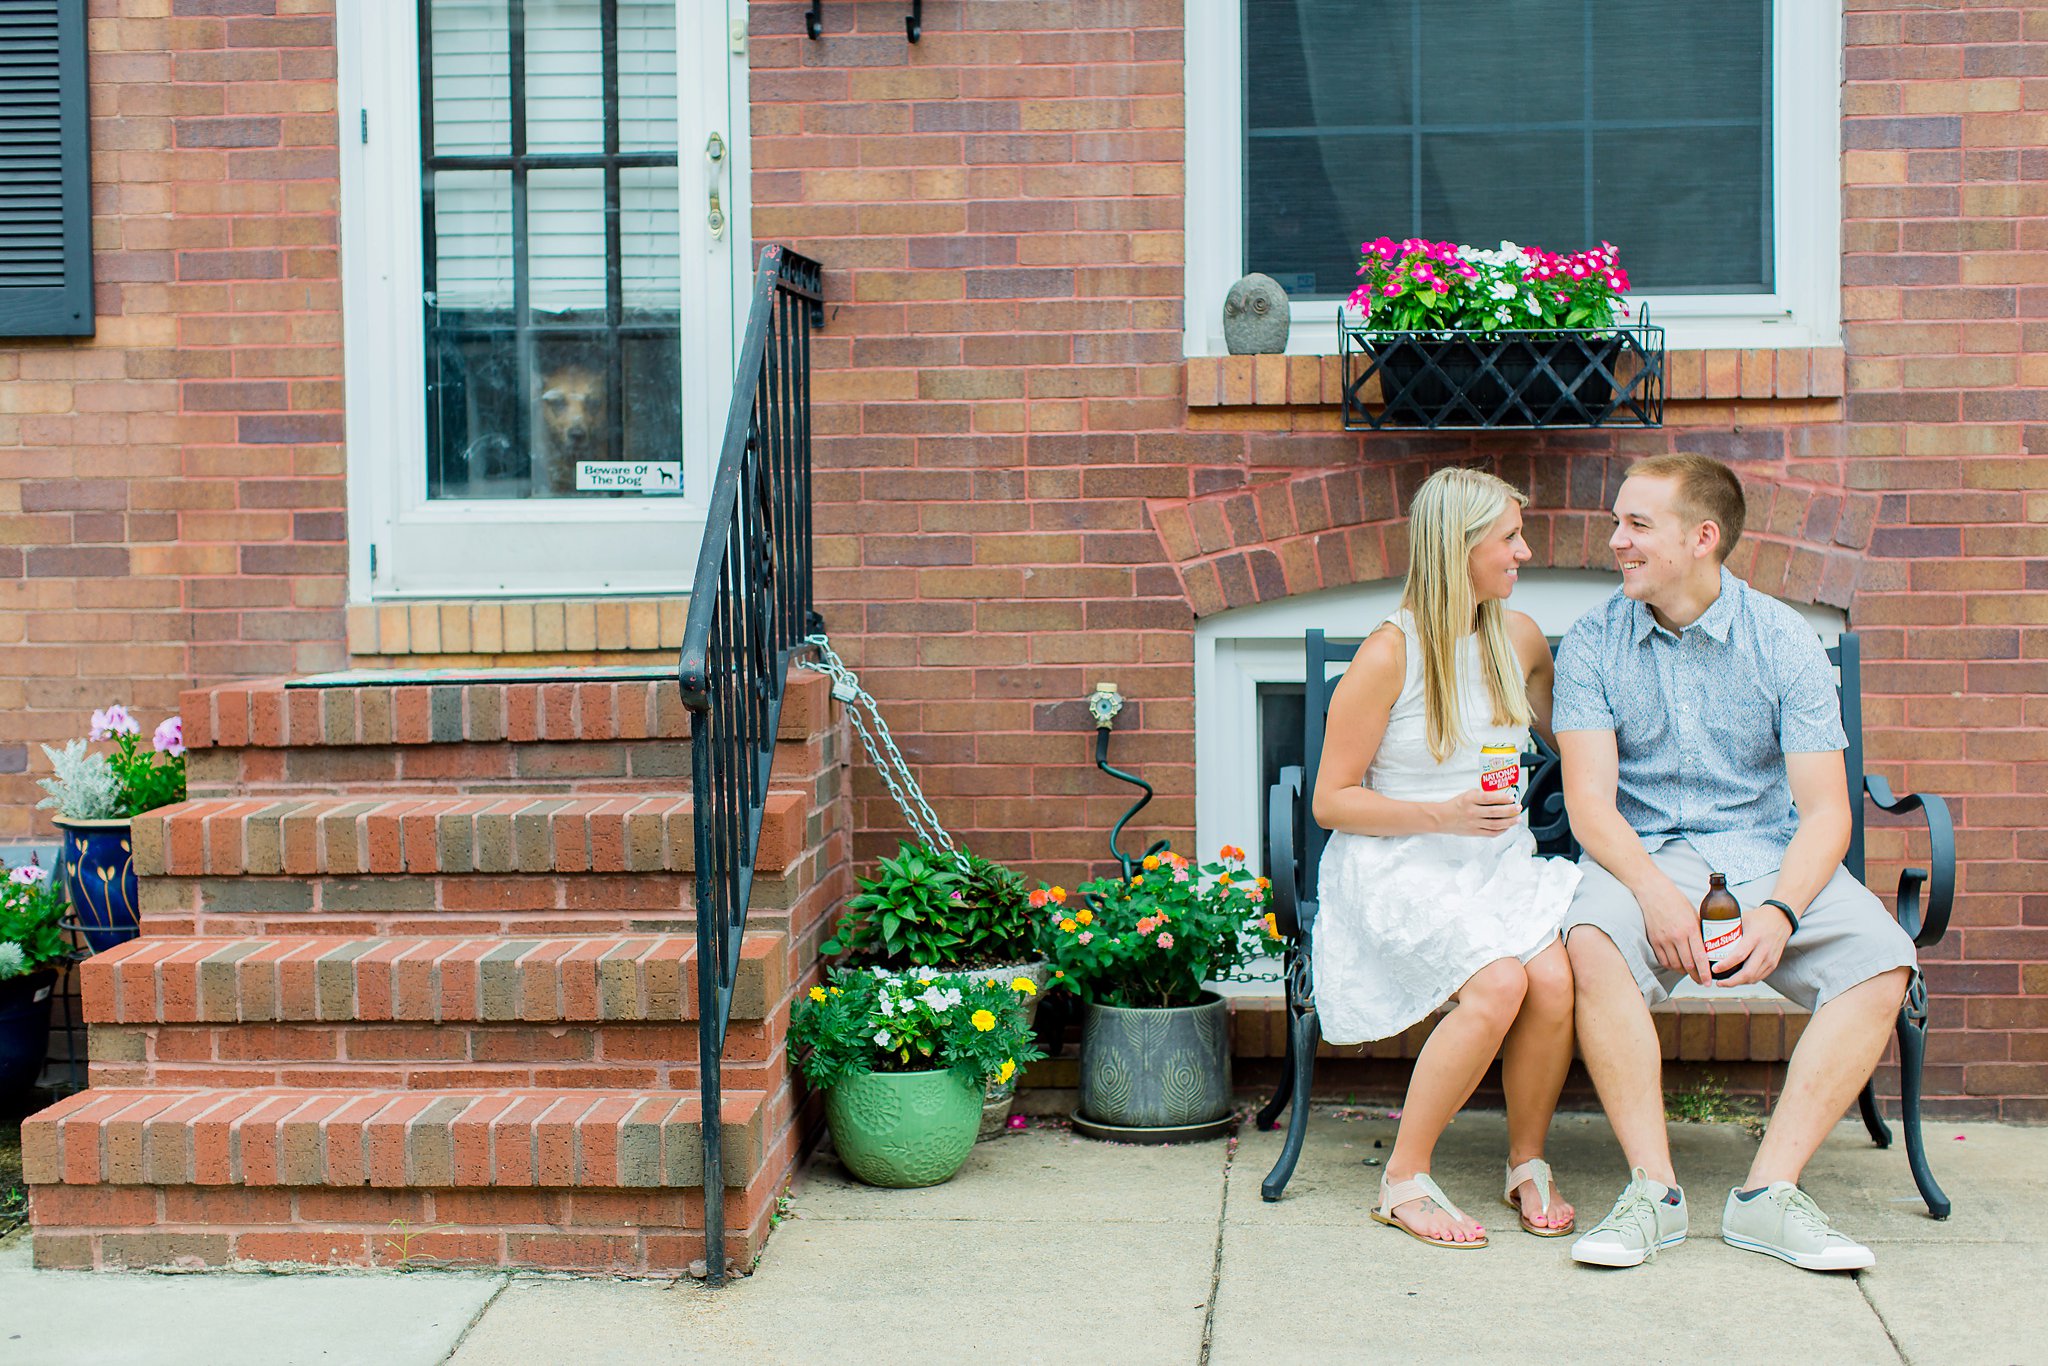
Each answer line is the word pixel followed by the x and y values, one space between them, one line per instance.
pixel 1216 1263
pixel 1863 1289
pixel 475 1319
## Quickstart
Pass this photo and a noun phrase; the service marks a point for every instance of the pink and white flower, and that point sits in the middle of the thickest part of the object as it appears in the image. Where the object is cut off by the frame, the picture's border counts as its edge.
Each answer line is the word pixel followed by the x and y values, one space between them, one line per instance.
pixel 115 720
pixel 170 739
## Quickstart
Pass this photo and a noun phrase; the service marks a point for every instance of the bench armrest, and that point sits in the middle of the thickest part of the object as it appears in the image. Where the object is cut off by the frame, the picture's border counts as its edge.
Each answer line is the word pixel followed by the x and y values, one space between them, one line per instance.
pixel 1926 924
pixel 1283 846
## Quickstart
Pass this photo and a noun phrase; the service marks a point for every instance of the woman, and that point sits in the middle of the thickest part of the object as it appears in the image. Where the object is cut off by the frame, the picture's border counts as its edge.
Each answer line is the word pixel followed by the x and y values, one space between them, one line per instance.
pixel 1431 888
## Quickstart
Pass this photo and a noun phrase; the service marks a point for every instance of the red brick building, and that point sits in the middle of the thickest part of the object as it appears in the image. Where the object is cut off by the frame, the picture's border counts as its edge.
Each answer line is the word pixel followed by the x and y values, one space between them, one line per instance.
pixel 1037 468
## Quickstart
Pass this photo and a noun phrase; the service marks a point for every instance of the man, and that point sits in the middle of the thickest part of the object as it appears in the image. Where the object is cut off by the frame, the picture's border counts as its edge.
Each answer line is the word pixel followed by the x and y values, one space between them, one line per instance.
pixel 1700 732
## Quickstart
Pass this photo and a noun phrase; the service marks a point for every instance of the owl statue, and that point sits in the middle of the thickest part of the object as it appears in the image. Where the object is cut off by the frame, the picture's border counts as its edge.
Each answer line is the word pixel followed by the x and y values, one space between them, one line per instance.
pixel 1255 317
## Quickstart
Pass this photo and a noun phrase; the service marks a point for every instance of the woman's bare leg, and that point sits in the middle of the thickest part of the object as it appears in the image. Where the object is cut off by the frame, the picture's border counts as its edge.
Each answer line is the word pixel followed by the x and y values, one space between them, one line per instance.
pixel 1456 1056
pixel 1533 1061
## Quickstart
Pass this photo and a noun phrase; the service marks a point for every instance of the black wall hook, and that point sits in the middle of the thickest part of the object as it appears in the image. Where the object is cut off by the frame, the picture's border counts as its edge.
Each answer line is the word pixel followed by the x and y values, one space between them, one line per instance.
pixel 913 22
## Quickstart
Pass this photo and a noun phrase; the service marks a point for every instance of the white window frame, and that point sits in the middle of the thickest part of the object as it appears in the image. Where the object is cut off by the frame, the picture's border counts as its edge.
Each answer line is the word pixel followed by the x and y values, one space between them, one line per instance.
pixel 1236 651
pixel 563 547
pixel 1804 311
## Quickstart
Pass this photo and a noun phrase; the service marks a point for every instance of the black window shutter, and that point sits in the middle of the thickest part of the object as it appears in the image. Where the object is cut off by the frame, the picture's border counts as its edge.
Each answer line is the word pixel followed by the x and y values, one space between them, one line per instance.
pixel 45 180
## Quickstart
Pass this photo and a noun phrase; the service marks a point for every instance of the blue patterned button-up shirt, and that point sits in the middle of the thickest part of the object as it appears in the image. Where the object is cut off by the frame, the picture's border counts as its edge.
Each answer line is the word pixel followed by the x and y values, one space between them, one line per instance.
pixel 1703 719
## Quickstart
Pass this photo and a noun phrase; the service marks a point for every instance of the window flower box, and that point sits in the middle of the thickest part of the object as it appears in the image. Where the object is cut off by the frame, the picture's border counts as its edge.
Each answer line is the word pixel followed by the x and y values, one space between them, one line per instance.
pixel 1443 335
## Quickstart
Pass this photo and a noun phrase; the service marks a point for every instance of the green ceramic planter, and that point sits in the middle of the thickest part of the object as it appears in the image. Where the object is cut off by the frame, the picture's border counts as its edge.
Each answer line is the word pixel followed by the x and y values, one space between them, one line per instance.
pixel 904 1128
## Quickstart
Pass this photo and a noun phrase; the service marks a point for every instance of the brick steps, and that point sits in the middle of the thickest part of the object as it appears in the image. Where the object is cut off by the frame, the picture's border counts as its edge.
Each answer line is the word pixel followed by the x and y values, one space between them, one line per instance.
pixel 535 981
pixel 321 836
pixel 569 1179
pixel 413 1014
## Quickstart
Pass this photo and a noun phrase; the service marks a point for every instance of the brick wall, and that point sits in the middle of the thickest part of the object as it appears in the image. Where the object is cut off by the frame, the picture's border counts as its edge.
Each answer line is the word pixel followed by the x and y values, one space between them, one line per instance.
pixel 1016 497
pixel 171 491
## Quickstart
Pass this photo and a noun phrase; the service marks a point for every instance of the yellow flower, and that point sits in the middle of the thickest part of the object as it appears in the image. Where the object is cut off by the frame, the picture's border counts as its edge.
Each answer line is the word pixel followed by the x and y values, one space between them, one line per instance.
pixel 1137 878
pixel 983 1021
pixel 1272 925
pixel 1007 1070
pixel 1068 925
pixel 1025 985
pixel 1058 894
pixel 835 991
pixel 1225 879
pixel 1264 883
pixel 817 993
pixel 924 981
pixel 1057 973
pixel 1084 916
pixel 1151 862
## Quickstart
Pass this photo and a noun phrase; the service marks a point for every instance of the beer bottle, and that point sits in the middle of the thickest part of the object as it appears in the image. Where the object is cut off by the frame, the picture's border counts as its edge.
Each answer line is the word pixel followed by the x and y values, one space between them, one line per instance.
pixel 1720 923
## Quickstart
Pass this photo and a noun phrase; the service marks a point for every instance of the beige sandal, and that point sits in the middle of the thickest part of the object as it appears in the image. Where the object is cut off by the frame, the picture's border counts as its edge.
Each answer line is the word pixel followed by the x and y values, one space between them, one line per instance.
pixel 1537 1170
pixel 1420 1187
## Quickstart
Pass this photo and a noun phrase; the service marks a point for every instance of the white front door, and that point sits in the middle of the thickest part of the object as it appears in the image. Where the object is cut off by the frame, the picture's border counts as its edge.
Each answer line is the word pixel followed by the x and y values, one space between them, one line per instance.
pixel 544 243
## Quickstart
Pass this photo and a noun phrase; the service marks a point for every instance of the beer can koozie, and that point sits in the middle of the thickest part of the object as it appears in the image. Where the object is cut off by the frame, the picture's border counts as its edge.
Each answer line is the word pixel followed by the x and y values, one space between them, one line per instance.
pixel 1500 768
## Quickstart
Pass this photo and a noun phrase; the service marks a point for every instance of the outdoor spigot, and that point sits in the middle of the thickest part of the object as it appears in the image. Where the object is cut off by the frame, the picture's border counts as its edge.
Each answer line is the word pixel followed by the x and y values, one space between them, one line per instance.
pixel 1103 704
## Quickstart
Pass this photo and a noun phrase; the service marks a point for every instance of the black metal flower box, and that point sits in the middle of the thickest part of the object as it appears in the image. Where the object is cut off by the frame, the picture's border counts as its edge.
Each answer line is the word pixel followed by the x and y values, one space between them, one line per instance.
pixel 1556 377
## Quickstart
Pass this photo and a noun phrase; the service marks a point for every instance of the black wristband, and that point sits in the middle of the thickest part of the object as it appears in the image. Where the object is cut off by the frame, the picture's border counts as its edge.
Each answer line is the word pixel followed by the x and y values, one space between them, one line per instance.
pixel 1773 901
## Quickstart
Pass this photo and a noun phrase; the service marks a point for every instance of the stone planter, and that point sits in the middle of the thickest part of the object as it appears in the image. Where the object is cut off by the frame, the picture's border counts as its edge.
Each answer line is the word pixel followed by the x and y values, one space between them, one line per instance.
pixel 1001 1096
pixel 99 876
pixel 24 1031
pixel 904 1128
pixel 1158 1075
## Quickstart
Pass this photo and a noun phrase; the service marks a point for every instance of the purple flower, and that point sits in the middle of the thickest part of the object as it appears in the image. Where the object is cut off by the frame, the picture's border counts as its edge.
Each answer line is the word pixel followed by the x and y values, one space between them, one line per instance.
pixel 28 875
pixel 115 720
pixel 170 736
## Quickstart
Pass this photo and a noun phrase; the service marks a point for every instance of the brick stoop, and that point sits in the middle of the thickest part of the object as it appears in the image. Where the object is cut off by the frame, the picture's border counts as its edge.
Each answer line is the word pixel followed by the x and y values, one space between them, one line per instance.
pixel 569 1179
pixel 418 983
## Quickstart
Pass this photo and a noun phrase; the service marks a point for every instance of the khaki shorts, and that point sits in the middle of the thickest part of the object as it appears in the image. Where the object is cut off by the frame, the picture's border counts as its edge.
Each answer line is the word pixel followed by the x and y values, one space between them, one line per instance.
pixel 1845 936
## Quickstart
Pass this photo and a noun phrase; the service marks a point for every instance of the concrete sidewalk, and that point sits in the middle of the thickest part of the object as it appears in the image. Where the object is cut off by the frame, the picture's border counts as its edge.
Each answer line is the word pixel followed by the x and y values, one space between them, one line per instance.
pixel 1052 1248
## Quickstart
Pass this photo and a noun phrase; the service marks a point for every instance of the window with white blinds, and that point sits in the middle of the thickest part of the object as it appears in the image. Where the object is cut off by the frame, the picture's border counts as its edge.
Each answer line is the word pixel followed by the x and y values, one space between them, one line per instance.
pixel 552 225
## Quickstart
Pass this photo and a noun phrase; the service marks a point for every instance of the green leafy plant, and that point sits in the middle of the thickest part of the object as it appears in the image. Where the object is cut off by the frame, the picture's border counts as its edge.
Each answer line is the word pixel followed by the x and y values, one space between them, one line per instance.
pixel 1154 939
pixel 32 908
pixel 90 785
pixel 1415 285
pixel 907 914
pixel 995 922
pixel 862 1020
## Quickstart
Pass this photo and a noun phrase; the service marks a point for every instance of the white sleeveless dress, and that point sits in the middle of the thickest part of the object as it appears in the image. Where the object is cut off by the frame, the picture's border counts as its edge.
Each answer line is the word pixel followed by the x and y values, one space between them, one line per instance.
pixel 1405 920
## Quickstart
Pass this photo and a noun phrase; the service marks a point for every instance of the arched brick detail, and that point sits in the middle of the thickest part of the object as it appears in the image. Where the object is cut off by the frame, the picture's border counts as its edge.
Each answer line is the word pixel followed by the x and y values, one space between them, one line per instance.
pixel 1316 529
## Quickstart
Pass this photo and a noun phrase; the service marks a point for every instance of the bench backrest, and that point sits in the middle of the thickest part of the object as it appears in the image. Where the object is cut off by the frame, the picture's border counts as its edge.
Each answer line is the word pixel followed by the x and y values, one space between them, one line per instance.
pixel 1543 787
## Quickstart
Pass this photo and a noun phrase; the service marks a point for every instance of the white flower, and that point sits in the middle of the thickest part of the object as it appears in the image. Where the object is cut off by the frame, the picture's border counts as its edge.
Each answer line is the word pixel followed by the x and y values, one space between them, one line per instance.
pixel 936 999
pixel 29 875
pixel 882 1037
pixel 1503 290
pixel 888 1005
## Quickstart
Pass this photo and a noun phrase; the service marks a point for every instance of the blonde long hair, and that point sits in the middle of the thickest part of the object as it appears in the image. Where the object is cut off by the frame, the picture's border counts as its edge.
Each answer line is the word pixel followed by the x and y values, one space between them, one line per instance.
pixel 1452 512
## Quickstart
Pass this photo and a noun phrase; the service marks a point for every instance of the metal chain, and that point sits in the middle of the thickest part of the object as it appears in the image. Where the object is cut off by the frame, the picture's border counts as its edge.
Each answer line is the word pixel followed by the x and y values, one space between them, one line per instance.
pixel 866 715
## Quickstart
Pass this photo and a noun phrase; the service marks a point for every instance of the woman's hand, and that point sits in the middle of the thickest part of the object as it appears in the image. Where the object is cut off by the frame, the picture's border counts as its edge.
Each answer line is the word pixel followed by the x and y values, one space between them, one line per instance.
pixel 1476 812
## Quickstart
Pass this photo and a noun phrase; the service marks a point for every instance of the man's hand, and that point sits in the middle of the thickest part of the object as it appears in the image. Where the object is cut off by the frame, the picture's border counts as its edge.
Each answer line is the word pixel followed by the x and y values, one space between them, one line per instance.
pixel 1765 932
pixel 1673 924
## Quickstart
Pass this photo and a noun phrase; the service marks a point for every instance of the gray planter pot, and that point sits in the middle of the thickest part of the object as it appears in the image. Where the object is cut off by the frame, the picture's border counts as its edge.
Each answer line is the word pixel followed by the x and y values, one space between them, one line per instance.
pixel 1159 1068
pixel 1001 1096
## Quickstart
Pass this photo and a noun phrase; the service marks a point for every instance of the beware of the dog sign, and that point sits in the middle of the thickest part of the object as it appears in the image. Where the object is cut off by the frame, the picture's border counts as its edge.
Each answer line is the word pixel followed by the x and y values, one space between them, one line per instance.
pixel 629 476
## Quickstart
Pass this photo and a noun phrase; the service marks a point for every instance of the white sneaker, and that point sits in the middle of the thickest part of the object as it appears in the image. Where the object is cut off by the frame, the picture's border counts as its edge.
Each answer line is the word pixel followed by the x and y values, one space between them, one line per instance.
pixel 1641 1224
pixel 1784 1222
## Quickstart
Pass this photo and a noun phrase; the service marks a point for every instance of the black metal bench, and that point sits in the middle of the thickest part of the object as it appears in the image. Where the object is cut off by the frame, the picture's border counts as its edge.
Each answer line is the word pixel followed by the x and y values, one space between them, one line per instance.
pixel 1294 852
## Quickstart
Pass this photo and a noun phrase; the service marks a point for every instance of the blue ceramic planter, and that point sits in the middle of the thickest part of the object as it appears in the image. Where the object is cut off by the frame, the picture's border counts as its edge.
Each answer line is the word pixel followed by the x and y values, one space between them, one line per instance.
pixel 24 1032
pixel 99 873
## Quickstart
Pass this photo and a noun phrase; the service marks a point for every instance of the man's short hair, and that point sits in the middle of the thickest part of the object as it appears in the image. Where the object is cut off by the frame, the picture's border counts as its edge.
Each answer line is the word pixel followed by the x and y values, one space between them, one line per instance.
pixel 1708 491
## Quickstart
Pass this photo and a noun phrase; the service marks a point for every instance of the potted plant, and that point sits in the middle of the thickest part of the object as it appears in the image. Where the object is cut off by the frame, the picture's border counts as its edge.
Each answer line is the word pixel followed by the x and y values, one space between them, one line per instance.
pixel 1155 1057
pixel 904 1059
pixel 1469 336
pixel 96 795
pixel 31 946
pixel 958 912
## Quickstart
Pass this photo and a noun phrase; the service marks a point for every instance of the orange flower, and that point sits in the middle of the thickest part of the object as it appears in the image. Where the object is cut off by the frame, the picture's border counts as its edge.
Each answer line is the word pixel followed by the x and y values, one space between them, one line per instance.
pixel 1264 883
pixel 1224 880
pixel 1084 915
pixel 1151 862
pixel 1058 894
pixel 1067 925
pixel 1038 899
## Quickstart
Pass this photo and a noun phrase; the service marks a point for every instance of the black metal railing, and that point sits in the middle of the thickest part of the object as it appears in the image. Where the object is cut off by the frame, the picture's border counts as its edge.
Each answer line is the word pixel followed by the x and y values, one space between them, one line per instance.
pixel 1510 378
pixel 750 609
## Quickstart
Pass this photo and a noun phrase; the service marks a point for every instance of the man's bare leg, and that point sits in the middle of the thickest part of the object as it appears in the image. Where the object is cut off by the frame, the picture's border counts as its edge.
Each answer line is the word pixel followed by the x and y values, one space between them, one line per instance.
pixel 1834 1057
pixel 1619 1044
